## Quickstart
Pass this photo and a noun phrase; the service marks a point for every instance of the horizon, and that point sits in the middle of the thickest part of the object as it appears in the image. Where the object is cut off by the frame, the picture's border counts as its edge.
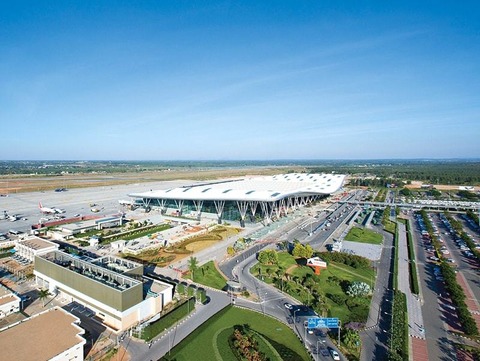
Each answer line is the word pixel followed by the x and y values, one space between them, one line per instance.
pixel 472 159
pixel 247 81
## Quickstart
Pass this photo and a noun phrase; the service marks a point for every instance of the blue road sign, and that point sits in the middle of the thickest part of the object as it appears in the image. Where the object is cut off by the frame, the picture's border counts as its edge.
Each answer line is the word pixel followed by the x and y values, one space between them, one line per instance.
pixel 332 322
pixel 323 322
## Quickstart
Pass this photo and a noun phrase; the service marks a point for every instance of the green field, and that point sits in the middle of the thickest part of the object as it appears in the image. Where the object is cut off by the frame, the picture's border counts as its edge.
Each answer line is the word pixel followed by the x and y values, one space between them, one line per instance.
pixel 209 276
pixel 363 235
pixel 209 342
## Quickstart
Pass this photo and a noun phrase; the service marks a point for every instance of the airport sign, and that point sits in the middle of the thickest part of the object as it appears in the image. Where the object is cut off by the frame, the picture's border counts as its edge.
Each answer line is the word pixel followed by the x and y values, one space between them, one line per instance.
pixel 323 322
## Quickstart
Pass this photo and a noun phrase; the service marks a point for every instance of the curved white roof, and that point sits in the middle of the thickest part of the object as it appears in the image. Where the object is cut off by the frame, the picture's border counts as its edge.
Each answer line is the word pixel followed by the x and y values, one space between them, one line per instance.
pixel 263 189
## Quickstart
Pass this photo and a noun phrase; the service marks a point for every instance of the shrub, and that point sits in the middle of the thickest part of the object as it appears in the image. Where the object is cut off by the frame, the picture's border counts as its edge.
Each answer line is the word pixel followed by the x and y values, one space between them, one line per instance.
pixel 358 289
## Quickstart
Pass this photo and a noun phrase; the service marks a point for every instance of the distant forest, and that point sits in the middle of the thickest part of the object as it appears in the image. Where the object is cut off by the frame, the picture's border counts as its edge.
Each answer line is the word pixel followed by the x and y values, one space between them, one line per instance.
pixel 462 172
pixel 459 172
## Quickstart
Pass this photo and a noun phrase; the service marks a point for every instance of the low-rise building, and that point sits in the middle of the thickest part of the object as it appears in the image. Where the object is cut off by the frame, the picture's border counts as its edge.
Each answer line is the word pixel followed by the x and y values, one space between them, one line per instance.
pixel 9 302
pixel 51 335
pixel 114 288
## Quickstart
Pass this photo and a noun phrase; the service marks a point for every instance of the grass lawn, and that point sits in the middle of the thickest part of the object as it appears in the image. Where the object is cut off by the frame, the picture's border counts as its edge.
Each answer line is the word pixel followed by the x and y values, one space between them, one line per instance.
pixel 209 341
pixel 351 308
pixel 285 260
pixel 168 320
pixel 339 304
pixel 363 235
pixel 209 276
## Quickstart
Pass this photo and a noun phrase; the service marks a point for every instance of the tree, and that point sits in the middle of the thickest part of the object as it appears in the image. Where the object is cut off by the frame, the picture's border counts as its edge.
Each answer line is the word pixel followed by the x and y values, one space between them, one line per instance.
pixel 298 251
pixel 263 257
pixel 308 251
pixel 230 250
pixel 268 257
pixel 192 266
pixel 43 295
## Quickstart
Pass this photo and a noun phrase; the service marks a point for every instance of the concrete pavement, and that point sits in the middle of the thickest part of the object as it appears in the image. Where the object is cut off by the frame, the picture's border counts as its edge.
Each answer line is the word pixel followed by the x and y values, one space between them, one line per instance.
pixel 416 326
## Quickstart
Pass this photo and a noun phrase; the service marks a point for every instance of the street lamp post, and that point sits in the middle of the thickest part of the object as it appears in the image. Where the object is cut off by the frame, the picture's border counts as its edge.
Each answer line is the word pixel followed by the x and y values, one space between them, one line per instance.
pixel 339 327
pixel 318 350
pixel 169 345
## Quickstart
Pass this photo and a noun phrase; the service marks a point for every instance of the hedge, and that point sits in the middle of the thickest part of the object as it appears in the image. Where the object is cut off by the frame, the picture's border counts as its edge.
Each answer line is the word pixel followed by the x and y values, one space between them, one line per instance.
pixel 399 331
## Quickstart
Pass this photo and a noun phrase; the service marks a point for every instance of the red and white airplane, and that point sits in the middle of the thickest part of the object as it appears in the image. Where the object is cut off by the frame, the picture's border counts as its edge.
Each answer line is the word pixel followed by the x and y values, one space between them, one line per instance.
pixel 48 210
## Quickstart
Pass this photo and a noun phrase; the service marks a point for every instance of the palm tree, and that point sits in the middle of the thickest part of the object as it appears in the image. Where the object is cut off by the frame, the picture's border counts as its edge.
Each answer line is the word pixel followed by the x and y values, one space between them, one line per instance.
pixel 43 294
pixel 192 266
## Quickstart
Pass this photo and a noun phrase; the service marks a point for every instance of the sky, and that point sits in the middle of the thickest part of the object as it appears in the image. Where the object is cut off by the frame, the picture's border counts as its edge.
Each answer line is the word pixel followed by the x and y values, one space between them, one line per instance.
pixel 239 80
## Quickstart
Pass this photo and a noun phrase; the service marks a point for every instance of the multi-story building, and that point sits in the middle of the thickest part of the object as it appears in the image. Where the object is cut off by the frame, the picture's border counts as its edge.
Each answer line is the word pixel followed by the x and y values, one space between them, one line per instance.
pixel 114 288
pixel 33 246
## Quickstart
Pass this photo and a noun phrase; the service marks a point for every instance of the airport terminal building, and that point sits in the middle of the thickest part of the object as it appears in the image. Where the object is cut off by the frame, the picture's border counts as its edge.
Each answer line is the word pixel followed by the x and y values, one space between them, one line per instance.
pixel 244 199
pixel 113 288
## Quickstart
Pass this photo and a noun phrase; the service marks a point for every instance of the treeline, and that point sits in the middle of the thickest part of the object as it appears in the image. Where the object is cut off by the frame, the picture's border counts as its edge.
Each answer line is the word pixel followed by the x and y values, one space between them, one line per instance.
pixel 345 258
pixel 432 172
pixel 458 299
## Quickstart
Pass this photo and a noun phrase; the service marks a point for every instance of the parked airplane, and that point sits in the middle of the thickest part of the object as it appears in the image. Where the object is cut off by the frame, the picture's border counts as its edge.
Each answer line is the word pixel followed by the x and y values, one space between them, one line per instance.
pixel 95 209
pixel 13 218
pixel 48 210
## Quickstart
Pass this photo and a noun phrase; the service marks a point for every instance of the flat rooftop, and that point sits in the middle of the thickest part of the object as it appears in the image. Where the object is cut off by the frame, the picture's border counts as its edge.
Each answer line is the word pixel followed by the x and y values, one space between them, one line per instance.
pixel 90 270
pixel 8 299
pixel 37 243
pixel 116 264
pixel 4 291
pixel 41 337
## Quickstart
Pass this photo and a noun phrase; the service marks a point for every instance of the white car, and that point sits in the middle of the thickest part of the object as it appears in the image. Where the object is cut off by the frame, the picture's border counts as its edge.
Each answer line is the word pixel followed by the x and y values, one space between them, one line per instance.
pixel 287 305
pixel 335 355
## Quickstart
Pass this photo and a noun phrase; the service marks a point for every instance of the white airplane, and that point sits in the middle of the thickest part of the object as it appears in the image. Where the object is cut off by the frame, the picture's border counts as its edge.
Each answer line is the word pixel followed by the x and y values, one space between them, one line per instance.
pixel 48 210
pixel 13 218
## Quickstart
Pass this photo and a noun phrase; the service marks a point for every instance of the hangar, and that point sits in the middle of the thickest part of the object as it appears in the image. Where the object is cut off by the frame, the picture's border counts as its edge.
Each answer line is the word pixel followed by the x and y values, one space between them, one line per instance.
pixel 260 198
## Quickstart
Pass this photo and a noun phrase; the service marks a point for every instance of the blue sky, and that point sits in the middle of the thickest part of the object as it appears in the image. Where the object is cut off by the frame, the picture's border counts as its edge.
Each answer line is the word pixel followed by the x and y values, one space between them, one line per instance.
pixel 186 80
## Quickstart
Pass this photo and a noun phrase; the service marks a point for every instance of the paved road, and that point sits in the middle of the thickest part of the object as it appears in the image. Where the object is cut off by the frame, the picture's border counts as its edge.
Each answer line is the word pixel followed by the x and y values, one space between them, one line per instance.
pixel 414 306
pixel 166 341
pixel 375 337
pixel 438 344
pixel 470 268
pixel 272 303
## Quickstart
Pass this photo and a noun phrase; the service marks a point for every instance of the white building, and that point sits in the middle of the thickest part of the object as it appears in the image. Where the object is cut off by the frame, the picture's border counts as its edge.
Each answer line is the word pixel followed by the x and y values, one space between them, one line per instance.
pixel 34 246
pixel 51 335
pixel 9 302
pixel 244 198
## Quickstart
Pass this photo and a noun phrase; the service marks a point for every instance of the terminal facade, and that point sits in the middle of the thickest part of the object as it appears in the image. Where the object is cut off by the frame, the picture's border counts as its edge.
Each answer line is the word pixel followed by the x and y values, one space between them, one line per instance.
pixel 245 199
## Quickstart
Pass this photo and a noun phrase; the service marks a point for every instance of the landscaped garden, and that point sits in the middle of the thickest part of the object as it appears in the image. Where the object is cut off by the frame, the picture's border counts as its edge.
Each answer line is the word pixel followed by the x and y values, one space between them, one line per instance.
pixel 162 256
pixel 207 275
pixel 326 293
pixel 233 331
pixel 363 235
